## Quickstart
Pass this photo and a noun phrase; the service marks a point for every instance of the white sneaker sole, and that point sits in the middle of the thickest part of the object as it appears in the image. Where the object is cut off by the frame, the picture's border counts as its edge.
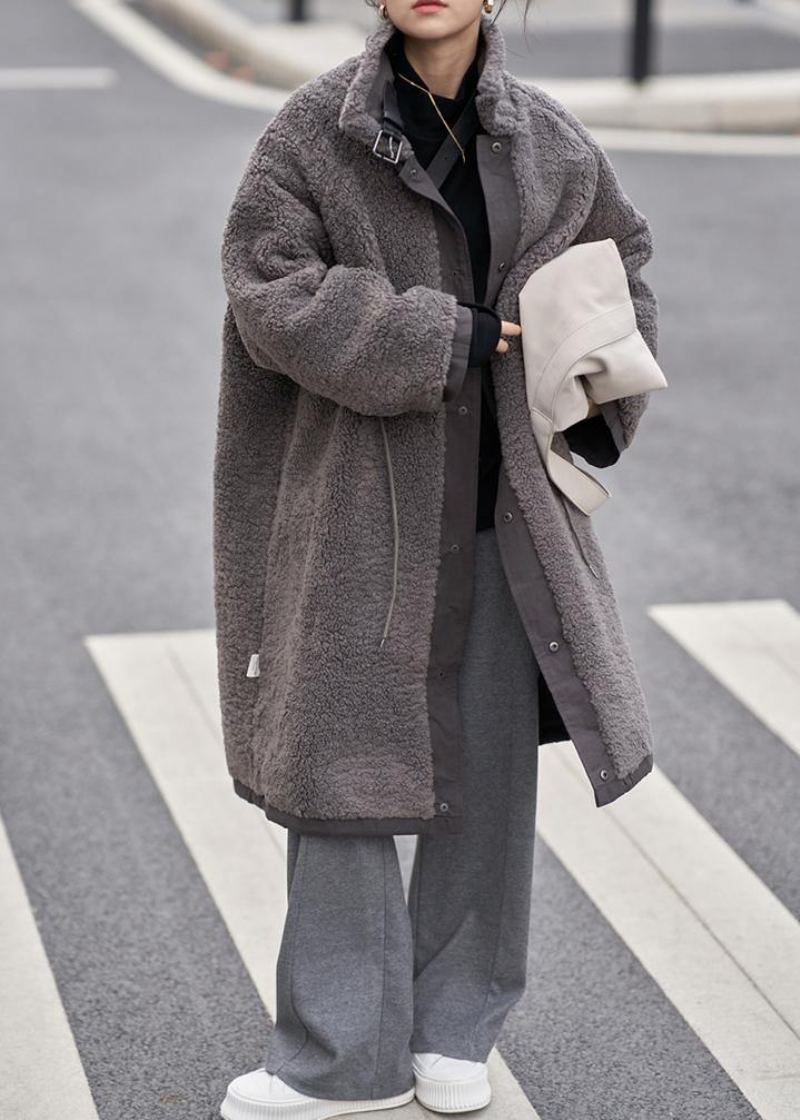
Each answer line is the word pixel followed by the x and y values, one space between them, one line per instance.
pixel 453 1096
pixel 237 1108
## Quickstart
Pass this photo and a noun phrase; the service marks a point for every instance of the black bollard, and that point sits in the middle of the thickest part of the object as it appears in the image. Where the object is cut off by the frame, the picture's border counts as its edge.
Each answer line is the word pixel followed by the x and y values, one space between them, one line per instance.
pixel 641 40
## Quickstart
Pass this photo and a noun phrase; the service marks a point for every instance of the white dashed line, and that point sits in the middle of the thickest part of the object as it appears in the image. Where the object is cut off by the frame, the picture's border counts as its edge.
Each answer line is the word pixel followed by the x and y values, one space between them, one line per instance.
pixel 698 143
pixel 40 77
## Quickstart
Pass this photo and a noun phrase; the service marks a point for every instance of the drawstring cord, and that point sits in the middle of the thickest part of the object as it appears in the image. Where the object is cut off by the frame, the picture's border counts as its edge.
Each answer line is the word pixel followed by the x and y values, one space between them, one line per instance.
pixel 396 530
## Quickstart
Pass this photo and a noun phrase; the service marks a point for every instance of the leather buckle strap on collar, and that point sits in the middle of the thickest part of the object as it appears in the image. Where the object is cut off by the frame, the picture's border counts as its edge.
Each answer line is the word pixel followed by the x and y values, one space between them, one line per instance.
pixel 393 143
pixel 390 136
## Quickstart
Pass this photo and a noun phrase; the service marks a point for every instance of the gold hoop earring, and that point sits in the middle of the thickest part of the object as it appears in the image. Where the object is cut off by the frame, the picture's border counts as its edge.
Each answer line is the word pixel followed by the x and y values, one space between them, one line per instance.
pixel 487 6
pixel 383 11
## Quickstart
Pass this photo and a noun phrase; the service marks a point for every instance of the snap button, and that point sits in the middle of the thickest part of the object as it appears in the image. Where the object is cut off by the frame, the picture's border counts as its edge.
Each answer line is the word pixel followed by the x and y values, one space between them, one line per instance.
pixel 604 774
pixel 462 408
pixel 508 515
pixel 501 266
pixel 497 146
pixel 444 807
pixel 455 547
pixel 413 172
pixel 553 646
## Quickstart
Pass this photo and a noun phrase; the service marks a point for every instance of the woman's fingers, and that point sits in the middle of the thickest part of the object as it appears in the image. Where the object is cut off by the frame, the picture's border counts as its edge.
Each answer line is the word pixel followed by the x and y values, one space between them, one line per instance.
pixel 506 328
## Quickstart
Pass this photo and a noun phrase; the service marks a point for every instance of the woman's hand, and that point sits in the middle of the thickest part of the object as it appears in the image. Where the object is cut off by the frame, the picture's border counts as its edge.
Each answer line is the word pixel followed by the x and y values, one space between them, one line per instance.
pixel 506 328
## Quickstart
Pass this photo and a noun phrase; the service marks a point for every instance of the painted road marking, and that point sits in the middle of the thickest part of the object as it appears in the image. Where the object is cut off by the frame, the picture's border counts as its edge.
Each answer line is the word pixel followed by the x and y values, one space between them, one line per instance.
pixel 159 682
pixel 165 686
pixel 752 648
pixel 744 101
pixel 172 61
pixel 720 945
pixel 41 1075
pixel 42 77
pixel 697 143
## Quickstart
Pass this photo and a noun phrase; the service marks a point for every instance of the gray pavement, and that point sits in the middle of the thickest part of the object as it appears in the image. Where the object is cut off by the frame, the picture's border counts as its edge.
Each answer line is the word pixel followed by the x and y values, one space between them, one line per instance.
pixel 110 323
pixel 604 52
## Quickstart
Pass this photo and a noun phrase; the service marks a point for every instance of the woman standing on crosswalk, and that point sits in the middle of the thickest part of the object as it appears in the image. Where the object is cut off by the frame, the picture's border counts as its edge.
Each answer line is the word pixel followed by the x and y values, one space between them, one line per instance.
pixel 406 606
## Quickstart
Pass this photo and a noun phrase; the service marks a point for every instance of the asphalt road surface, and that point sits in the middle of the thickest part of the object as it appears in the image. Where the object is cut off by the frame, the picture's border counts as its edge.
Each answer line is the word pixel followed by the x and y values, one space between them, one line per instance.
pixel 113 199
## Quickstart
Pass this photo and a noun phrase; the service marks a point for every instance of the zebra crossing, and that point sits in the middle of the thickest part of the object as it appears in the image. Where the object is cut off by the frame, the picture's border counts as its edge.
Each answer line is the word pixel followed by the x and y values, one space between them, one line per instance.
pixel 165 688
pixel 720 946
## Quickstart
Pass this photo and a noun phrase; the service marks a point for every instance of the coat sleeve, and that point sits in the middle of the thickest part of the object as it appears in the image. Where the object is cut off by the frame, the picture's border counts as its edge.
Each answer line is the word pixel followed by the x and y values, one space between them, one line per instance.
pixel 341 332
pixel 613 215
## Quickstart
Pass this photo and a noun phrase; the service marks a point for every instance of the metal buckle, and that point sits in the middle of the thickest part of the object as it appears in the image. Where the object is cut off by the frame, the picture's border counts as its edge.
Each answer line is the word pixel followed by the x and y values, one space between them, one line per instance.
pixel 394 155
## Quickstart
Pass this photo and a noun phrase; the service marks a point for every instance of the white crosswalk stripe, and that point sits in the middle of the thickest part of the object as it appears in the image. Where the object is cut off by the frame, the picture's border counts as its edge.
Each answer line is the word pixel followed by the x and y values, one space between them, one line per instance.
pixel 752 648
pixel 41 1076
pixel 723 949
pixel 165 688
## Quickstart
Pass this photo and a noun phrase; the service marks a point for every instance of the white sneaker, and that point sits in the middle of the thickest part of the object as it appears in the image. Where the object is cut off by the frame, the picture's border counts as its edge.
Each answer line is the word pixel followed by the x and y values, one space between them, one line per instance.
pixel 263 1096
pixel 451 1084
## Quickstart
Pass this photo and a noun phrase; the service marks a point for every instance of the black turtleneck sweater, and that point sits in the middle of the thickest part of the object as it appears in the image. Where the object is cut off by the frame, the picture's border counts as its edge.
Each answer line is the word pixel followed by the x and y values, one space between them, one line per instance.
pixel 463 192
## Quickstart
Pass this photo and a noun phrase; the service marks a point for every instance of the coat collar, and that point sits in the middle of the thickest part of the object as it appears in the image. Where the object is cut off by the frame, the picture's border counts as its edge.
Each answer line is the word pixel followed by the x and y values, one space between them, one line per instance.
pixel 360 114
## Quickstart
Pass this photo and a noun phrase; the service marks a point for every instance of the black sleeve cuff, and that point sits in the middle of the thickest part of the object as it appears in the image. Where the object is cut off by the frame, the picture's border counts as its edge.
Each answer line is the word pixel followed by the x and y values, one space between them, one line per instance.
pixel 486 325
pixel 459 361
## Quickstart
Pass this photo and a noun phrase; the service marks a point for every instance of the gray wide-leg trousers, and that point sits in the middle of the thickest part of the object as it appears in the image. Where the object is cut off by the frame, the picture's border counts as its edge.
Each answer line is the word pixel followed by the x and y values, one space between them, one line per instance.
pixel 363 977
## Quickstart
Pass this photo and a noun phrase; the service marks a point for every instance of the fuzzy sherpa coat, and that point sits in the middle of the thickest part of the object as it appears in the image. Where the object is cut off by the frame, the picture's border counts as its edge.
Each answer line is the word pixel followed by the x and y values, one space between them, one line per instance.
pixel 345 472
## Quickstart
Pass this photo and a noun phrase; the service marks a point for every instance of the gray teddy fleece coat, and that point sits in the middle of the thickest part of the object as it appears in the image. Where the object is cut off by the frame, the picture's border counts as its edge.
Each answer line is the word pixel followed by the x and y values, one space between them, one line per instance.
pixel 340 340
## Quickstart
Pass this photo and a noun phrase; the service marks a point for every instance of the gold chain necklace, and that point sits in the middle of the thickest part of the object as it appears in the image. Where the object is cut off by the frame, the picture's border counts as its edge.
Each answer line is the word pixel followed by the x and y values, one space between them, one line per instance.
pixel 436 107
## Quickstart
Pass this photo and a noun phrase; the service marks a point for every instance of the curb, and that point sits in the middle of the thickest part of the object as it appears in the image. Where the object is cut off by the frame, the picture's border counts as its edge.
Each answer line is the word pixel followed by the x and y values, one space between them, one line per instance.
pixel 751 101
pixel 280 54
pixel 285 55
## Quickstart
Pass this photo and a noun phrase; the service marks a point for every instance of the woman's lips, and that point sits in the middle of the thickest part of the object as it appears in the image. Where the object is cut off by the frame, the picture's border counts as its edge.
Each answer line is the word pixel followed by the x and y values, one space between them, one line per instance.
pixel 428 6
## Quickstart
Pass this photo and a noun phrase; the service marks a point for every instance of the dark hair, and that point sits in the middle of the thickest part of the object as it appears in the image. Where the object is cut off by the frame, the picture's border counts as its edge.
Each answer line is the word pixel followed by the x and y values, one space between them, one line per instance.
pixel 500 4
